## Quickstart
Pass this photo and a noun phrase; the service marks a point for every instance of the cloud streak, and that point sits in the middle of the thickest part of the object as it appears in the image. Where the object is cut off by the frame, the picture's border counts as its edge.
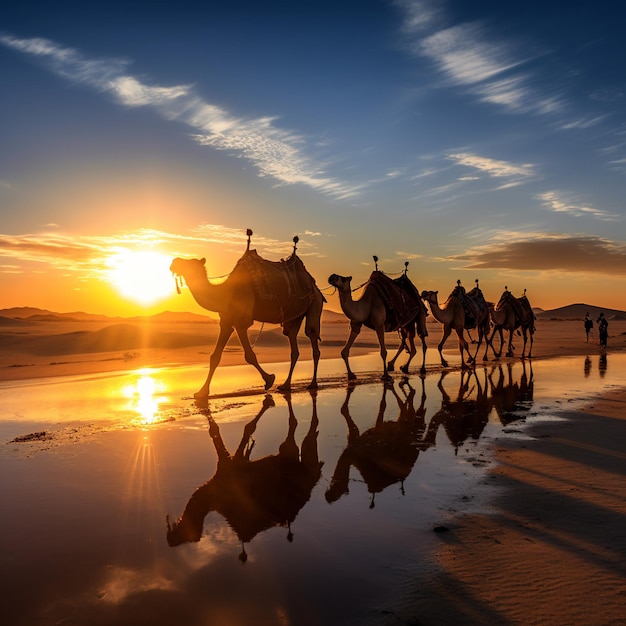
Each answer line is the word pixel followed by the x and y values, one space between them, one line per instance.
pixel 548 252
pixel 493 167
pixel 276 153
pixel 559 203
pixel 469 57
pixel 88 255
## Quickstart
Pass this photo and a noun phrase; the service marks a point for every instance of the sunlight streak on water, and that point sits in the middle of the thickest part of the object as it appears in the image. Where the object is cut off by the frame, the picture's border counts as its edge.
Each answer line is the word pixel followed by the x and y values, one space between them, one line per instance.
pixel 145 395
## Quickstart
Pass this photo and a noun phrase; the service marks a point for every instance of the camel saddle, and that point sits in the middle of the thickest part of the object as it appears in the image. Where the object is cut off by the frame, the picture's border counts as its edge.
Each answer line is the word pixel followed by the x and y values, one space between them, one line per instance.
pixel 473 302
pixel 521 307
pixel 400 297
pixel 283 289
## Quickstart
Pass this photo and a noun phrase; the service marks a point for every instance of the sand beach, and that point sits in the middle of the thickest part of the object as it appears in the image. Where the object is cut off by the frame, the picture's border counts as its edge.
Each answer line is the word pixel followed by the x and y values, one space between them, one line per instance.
pixel 520 522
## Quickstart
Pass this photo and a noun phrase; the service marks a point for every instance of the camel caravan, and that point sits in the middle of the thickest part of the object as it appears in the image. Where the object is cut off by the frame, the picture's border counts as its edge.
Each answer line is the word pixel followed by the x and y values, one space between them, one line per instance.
pixel 283 292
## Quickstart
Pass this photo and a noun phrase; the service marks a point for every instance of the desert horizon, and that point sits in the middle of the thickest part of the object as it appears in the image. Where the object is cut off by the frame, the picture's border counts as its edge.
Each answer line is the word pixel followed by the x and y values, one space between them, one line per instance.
pixel 37 342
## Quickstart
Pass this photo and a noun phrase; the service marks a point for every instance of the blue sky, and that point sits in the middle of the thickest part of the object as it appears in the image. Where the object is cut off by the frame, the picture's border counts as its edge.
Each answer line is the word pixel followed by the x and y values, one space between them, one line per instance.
pixel 473 139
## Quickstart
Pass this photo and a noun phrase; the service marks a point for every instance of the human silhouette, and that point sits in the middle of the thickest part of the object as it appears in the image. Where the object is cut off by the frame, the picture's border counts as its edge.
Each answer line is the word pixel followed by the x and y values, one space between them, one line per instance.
pixel 588 325
pixel 603 330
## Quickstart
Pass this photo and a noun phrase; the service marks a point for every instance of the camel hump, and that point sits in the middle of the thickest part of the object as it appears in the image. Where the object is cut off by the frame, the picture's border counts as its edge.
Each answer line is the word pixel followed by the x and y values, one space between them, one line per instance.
pixel 400 297
pixel 283 289
pixel 474 304
pixel 521 307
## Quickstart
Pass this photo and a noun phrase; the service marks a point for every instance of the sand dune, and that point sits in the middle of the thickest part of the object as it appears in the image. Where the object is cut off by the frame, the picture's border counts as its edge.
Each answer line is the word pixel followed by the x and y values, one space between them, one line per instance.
pixel 31 346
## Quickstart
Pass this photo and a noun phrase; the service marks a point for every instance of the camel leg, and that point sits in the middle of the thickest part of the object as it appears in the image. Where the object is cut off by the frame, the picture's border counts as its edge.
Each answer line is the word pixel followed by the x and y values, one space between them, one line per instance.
pixel 424 348
pixel 412 352
pixel 392 363
pixel 380 333
pixel 482 335
pixel 509 350
pixel 225 332
pixel 313 333
pixel 526 332
pixel 463 347
pixel 444 336
pixel 488 344
pixel 355 329
pixel 498 354
pixel 250 356
pixel 291 330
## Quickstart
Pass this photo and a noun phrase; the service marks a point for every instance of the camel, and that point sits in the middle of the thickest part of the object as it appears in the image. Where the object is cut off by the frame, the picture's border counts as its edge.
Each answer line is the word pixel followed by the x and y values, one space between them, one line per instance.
pixel 454 316
pixel 257 290
pixel 254 495
pixel 384 306
pixel 510 314
pixel 417 326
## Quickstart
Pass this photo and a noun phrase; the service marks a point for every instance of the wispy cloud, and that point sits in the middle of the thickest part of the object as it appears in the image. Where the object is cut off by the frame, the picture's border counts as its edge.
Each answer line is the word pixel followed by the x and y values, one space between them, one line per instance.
pixel 465 56
pixel 559 203
pixel 469 56
pixel 87 256
pixel 492 167
pixel 582 123
pixel 277 153
pixel 547 252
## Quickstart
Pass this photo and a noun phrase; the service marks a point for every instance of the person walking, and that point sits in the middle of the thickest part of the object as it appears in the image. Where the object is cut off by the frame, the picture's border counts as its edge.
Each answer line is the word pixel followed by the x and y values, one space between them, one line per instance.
pixel 588 324
pixel 603 329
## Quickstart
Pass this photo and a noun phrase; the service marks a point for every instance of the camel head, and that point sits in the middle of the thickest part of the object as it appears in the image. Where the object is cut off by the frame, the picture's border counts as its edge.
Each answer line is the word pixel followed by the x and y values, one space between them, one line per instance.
pixel 429 296
pixel 187 268
pixel 341 283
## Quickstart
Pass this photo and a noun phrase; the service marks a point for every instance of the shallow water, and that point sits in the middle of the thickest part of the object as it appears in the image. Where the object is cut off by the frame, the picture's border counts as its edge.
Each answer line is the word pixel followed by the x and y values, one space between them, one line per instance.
pixel 268 535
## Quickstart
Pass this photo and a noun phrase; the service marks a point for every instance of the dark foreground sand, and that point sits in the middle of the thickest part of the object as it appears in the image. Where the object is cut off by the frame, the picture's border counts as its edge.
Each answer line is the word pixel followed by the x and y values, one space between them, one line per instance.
pixel 553 550
pixel 552 547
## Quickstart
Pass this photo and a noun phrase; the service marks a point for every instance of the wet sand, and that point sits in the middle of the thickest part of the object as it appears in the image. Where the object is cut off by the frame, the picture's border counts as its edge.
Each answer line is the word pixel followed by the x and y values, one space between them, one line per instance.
pixel 537 538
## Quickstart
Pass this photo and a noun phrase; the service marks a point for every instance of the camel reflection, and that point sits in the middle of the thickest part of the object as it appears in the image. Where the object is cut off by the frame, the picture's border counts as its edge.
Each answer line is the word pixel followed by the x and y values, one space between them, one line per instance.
pixel 254 496
pixel 386 453
pixel 466 416
pixel 511 399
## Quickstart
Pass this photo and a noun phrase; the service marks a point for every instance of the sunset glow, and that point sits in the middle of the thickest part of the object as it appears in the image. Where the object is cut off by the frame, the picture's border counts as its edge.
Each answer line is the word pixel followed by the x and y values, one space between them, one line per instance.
pixel 476 142
pixel 142 277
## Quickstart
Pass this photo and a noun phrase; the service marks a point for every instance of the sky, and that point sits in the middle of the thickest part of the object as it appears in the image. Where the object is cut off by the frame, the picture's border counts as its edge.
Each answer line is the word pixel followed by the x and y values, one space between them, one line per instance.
pixel 475 140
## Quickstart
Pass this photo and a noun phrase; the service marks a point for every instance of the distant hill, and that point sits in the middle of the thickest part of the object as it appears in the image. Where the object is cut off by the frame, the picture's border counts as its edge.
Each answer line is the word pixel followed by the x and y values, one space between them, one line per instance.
pixel 13 316
pixel 577 312
pixel 9 321
pixel 33 314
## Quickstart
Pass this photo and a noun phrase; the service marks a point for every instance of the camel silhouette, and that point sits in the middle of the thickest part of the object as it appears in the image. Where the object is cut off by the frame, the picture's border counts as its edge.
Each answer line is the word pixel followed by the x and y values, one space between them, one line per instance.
pixel 278 292
pixel 386 305
pixel 510 314
pixel 461 311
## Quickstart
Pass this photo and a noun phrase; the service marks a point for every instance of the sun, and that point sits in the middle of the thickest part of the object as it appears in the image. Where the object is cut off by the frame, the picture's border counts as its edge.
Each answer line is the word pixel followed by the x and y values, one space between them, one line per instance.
pixel 141 276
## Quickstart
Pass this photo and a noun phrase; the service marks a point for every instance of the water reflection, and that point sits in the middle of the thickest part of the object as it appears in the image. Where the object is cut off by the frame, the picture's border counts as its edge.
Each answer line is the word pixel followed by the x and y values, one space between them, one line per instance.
pixel 385 453
pixel 144 396
pixel 254 496
pixel 467 414
pixel 512 399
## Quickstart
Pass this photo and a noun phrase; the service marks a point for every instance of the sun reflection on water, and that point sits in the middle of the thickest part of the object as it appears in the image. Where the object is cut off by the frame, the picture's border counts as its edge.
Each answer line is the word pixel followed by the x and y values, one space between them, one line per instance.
pixel 145 395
